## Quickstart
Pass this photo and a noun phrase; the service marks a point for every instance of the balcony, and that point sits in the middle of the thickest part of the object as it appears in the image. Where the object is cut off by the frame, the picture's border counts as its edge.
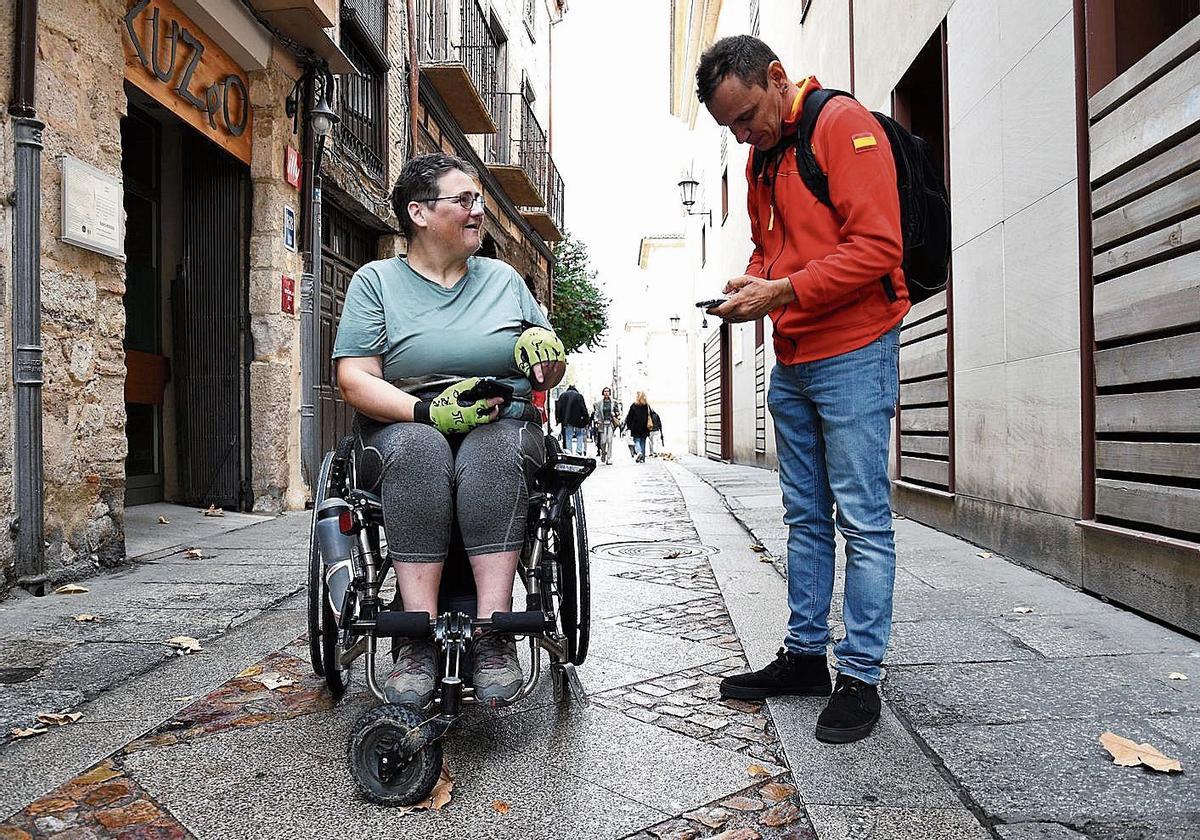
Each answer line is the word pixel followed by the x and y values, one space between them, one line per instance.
pixel 548 220
pixel 458 55
pixel 516 155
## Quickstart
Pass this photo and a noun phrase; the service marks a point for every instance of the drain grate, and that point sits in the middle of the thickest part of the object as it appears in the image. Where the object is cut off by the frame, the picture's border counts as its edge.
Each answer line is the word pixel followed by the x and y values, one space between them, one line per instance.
pixel 652 550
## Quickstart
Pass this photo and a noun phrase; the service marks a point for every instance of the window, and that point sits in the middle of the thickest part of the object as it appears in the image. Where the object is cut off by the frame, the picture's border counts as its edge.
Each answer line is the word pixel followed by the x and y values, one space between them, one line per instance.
pixel 703 245
pixel 724 194
pixel 362 98
pixel 1122 32
pixel 804 10
pixel 530 17
pixel 755 18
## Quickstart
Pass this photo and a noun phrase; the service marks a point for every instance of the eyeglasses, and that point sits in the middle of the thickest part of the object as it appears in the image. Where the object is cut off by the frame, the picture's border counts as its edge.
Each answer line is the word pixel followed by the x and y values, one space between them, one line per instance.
pixel 466 200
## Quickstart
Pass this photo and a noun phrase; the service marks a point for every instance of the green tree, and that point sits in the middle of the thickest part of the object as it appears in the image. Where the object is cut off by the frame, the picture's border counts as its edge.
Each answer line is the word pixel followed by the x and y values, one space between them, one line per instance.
pixel 580 314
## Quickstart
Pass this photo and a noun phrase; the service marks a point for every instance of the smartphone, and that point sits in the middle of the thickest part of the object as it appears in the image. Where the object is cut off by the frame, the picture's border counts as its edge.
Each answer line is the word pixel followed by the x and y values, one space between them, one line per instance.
pixel 709 304
pixel 484 389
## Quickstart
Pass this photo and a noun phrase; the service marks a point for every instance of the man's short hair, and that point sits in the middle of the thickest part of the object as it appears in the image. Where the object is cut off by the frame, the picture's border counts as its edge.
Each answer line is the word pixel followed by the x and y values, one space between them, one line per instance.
pixel 741 55
pixel 419 179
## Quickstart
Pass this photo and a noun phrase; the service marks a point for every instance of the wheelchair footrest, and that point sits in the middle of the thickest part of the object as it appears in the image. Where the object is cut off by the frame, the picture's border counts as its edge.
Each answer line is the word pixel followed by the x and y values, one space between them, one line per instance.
pixel 520 623
pixel 412 625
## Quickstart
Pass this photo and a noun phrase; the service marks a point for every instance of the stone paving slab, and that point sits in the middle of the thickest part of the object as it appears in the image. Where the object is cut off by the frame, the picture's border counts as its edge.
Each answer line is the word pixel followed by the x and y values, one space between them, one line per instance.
pixel 1013 692
pixel 952 640
pixel 862 822
pixel 1057 771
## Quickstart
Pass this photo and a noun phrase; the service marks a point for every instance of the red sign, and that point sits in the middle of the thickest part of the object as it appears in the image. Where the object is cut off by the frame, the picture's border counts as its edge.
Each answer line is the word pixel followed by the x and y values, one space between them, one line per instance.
pixel 288 295
pixel 291 167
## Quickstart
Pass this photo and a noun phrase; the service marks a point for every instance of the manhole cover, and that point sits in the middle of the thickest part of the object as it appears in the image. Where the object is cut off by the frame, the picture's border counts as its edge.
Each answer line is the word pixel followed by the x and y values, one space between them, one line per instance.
pixel 638 550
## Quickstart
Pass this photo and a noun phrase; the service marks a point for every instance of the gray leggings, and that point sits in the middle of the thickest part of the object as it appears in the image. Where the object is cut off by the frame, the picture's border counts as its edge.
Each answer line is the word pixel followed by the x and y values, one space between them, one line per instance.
pixel 424 477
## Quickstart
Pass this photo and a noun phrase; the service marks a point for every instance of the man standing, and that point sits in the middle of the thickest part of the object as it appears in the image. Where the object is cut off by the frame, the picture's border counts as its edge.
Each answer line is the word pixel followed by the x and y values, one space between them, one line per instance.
pixel 831 281
pixel 571 413
pixel 605 414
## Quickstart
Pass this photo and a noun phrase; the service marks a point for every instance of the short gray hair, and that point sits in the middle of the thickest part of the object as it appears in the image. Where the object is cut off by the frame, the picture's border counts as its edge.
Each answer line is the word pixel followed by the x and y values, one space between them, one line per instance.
pixel 419 179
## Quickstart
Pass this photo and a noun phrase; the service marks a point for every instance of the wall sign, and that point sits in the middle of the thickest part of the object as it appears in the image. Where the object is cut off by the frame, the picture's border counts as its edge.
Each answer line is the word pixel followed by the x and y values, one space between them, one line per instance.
pixel 171 59
pixel 288 295
pixel 289 228
pixel 291 167
pixel 93 211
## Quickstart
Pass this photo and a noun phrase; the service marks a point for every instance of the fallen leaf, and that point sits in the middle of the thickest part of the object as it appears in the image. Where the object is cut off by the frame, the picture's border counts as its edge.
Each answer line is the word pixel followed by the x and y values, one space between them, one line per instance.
pixel 785 813
pixel 29 732
pixel 984 554
pixel 766 558
pixel 758 771
pixel 499 806
pixel 86 617
pixel 759 547
pixel 187 698
pixel 213 510
pixel 185 644
pixel 252 671
pixel 1175 675
pixel 711 817
pixel 671 555
pixel 70 589
pixel 162 520
pixel 1128 754
pixel 776 791
pixel 58 718
pixel 194 554
pixel 743 803
pixel 274 680
pixel 1022 610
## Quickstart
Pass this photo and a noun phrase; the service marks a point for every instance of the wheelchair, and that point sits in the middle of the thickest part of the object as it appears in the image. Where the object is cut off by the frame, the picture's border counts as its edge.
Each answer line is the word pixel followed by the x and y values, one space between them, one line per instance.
pixel 394 750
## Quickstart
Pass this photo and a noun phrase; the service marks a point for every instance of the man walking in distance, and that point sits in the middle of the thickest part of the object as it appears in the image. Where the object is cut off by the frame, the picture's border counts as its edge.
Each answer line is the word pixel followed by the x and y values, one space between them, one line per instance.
pixel 605 414
pixel 571 413
pixel 832 284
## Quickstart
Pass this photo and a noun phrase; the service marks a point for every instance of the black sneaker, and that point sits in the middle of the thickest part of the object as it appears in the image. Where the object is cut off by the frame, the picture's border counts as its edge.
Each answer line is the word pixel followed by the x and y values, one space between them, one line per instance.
pixel 790 673
pixel 851 712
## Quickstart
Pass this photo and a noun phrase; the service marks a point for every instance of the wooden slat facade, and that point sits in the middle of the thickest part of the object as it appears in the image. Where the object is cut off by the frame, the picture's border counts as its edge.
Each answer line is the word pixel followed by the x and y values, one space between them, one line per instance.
pixel 1145 179
pixel 924 412
pixel 712 396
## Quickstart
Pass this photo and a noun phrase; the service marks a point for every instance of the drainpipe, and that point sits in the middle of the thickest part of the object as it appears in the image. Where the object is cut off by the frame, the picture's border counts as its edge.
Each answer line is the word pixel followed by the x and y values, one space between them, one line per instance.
pixel 27 307
pixel 414 80
pixel 309 225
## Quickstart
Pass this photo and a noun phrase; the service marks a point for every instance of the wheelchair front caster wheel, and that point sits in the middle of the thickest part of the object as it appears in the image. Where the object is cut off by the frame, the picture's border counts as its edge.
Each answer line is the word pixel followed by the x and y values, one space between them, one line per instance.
pixel 393 759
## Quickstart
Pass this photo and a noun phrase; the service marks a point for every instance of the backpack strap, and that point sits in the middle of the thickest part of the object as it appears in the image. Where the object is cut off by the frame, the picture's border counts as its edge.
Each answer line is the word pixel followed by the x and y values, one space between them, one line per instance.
pixel 806 160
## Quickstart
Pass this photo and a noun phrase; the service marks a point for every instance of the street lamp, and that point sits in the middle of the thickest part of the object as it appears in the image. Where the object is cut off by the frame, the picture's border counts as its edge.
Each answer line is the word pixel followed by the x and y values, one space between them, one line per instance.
pixel 687 197
pixel 322 118
pixel 674 319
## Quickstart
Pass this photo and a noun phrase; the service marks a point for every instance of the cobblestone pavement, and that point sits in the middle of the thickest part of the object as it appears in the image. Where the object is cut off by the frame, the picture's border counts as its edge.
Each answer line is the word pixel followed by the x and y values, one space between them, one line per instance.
pixel 988 732
pixel 656 754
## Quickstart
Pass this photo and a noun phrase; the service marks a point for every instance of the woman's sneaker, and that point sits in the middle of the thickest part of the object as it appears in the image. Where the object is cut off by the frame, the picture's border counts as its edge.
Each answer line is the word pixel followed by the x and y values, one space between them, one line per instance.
pixel 414 677
pixel 498 674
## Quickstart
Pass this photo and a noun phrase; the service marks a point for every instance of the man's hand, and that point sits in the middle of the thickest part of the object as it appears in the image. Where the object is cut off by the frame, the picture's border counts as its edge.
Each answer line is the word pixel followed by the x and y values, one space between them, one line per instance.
pixel 750 298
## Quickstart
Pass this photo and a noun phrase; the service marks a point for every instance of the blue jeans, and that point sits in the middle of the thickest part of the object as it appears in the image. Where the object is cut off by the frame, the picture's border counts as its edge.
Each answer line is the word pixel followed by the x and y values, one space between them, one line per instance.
pixel 832 426
pixel 639 446
pixel 576 439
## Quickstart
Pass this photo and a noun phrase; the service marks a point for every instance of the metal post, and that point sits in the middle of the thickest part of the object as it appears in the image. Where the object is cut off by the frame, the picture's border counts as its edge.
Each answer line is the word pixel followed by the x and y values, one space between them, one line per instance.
pixel 308 331
pixel 27 524
pixel 314 342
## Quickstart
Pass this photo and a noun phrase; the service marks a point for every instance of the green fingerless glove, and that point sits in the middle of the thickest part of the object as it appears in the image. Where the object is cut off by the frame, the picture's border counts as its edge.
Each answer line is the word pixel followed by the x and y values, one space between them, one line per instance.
pixel 445 413
pixel 535 345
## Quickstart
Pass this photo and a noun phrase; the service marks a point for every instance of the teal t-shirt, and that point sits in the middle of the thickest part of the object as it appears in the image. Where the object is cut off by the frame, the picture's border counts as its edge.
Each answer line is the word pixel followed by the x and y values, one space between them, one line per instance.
pixel 429 335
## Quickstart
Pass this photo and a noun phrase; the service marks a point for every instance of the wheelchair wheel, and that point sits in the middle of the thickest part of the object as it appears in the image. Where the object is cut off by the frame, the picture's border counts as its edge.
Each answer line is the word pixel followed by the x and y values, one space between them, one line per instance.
pixel 575 580
pixel 393 761
pixel 323 633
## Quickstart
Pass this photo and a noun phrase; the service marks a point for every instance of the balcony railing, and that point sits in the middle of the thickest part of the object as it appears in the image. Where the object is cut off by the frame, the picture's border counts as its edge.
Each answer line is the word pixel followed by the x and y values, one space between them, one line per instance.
pixel 548 220
pixel 516 155
pixel 459 54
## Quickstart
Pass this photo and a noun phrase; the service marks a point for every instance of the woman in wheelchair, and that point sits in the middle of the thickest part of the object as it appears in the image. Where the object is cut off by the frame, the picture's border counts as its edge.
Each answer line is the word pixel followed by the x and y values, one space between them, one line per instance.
pixel 415 335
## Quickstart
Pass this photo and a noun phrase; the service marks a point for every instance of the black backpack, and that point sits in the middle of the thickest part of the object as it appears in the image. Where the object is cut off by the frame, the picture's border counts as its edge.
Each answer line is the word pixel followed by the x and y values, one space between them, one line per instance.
pixel 924 209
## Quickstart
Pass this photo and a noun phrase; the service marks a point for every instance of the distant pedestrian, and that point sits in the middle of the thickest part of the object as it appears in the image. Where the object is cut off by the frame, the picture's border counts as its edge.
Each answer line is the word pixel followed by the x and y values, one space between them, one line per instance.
pixel 606 418
pixel 572 414
pixel 638 422
pixel 655 429
pixel 829 275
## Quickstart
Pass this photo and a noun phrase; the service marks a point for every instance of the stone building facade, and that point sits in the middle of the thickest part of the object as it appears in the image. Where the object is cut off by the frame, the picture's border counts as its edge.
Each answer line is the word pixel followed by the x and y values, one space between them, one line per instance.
pixel 149 392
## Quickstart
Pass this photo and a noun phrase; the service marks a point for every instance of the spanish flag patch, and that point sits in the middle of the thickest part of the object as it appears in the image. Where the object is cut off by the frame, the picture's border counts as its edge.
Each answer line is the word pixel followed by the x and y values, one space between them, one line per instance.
pixel 864 142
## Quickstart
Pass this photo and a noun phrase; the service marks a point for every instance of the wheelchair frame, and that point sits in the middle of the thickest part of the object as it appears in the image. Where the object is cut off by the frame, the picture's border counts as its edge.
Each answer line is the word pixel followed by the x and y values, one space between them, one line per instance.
pixel 395 751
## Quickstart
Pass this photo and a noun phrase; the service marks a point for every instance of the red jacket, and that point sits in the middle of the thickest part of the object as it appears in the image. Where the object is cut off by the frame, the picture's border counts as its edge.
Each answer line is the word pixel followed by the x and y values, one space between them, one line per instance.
pixel 834 260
